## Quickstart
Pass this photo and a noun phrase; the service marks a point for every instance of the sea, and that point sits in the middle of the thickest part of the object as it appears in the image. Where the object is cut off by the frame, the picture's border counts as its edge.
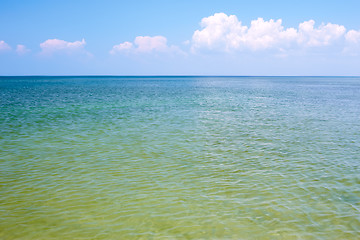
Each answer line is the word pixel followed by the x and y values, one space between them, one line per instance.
pixel 179 157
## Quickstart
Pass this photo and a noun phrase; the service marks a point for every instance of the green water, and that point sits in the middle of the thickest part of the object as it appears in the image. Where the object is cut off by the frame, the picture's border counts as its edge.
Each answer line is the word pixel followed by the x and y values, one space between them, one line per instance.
pixel 179 158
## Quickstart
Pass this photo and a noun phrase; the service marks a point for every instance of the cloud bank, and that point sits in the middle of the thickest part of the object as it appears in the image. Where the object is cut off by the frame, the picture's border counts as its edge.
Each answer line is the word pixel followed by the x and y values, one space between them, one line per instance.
pixel 223 33
pixel 145 44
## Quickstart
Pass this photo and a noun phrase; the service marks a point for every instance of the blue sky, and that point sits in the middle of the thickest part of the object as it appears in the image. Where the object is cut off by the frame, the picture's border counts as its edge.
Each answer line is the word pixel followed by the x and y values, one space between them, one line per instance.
pixel 179 37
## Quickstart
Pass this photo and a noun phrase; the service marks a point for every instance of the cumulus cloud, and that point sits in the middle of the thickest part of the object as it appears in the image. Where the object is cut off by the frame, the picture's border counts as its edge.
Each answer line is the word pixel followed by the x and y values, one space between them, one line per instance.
pixel 145 44
pixel 4 46
pixel 324 35
pixel 352 47
pixel 21 49
pixel 149 44
pixel 224 33
pixel 219 32
pixel 353 36
pixel 268 34
pixel 52 46
pixel 126 46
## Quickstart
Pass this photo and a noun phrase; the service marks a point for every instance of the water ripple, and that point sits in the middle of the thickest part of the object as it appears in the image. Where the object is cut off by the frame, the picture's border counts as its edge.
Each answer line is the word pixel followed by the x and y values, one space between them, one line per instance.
pixel 195 158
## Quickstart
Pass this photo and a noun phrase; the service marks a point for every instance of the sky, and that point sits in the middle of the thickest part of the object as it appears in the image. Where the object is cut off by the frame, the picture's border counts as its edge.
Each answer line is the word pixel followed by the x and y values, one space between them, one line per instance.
pixel 156 37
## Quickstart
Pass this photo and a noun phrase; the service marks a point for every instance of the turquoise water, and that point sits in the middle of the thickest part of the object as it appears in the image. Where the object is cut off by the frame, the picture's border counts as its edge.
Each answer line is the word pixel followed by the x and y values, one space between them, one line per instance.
pixel 179 158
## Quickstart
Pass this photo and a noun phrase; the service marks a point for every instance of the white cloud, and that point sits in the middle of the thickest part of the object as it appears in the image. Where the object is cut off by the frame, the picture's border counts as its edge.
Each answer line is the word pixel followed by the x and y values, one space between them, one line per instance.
pixel 126 46
pixel 4 46
pixel 146 44
pixel 21 49
pixel 352 47
pixel 149 44
pixel 268 34
pixel 224 33
pixel 220 32
pixel 186 42
pixel 52 46
pixel 324 35
pixel 353 36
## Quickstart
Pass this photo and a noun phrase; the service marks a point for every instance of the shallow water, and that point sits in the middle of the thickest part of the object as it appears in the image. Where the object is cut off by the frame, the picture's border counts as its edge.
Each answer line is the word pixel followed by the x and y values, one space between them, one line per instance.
pixel 180 158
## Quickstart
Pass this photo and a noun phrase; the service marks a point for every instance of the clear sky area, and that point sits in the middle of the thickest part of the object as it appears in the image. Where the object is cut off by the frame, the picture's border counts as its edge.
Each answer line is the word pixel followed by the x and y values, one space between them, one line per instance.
pixel 180 37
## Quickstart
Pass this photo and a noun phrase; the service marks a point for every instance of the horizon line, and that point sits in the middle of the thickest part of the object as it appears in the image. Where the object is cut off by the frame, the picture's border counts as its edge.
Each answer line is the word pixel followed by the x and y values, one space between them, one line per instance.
pixel 150 75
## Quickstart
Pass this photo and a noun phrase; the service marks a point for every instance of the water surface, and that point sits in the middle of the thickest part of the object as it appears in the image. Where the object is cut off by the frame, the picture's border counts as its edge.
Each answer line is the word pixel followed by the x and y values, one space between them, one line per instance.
pixel 179 158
